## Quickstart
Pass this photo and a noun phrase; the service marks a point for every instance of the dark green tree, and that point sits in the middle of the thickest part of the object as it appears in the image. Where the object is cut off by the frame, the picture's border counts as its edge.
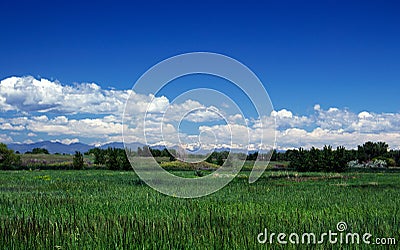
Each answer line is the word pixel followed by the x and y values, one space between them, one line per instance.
pixel 111 159
pixel 341 158
pixel 298 160
pixel 8 159
pixel 40 151
pixel 370 150
pixel 99 155
pixel 327 159
pixel 382 149
pixel 78 162
pixel 314 159
pixel 122 159
pixel 252 156
pixel 274 156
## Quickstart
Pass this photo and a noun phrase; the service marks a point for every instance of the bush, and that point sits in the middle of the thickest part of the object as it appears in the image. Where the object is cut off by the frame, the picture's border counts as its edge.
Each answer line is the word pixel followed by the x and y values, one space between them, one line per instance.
pixel 377 163
pixel 390 162
pixel 354 164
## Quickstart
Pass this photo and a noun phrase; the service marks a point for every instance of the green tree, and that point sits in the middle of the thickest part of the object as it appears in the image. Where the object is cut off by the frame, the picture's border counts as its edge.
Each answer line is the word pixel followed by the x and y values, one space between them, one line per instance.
pixel 123 161
pixel 382 148
pixel 274 155
pixel 328 159
pixel 99 155
pixel 155 152
pixel 40 151
pixel 111 159
pixel 7 158
pixel 371 150
pixel 341 158
pixel 252 156
pixel 117 159
pixel 298 160
pixel 314 159
pixel 77 162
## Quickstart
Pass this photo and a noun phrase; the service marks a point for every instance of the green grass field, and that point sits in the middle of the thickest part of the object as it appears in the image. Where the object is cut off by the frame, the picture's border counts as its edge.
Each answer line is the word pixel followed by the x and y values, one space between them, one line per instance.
pixel 115 210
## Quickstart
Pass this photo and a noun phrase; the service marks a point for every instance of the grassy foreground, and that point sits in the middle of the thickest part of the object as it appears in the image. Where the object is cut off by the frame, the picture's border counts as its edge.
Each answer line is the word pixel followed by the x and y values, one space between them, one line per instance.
pixel 115 210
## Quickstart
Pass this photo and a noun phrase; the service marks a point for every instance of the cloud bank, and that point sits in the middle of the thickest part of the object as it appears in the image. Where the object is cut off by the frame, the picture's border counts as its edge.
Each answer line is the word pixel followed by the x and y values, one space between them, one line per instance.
pixel 40 109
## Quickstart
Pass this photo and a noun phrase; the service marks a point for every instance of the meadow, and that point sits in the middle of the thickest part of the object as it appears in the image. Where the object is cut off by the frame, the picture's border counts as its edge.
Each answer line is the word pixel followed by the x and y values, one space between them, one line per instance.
pixel 101 209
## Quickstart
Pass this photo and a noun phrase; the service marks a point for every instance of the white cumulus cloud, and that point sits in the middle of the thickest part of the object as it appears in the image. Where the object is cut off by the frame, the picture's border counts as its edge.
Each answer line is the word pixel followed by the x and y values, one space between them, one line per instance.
pixel 87 112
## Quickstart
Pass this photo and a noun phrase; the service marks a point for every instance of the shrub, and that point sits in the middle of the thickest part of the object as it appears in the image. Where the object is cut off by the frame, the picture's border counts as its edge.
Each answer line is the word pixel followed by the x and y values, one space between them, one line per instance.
pixel 377 163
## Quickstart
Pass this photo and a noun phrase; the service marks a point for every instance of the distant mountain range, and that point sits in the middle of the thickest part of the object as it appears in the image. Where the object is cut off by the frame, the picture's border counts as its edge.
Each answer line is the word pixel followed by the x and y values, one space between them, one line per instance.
pixel 58 147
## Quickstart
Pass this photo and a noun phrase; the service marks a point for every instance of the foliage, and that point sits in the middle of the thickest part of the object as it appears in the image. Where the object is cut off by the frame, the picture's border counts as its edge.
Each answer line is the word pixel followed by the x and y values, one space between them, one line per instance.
pixel 8 159
pixel 99 155
pixel 218 158
pixel 116 159
pixel 112 158
pixel 376 163
pixel 371 150
pixel 77 161
pixel 162 153
pixel 390 162
pixel 114 210
pixel 38 151
pixel 252 156
pixel 146 151
pixel 395 155
pixel 327 159
pixel 315 159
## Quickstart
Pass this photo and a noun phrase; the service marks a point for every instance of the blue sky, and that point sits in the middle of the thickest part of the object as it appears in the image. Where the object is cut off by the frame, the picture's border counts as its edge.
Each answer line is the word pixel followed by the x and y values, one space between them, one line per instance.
pixel 342 54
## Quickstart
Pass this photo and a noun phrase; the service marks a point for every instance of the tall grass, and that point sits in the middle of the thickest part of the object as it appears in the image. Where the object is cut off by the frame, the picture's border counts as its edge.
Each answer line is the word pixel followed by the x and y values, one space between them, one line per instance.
pixel 115 210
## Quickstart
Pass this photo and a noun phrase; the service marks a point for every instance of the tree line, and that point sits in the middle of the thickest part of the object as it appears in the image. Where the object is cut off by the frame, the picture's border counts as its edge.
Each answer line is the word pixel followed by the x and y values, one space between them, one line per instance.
pixel 116 158
pixel 329 159
pixel 112 158
pixel 313 159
